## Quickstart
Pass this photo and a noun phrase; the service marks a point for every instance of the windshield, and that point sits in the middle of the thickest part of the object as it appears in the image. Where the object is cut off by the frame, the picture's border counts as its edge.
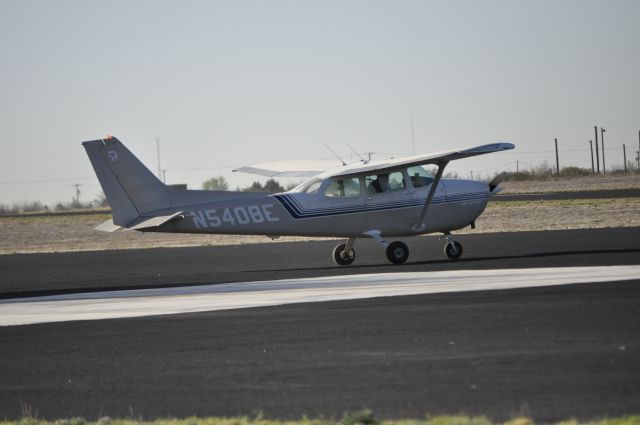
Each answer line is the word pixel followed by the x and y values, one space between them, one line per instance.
pixel 310 186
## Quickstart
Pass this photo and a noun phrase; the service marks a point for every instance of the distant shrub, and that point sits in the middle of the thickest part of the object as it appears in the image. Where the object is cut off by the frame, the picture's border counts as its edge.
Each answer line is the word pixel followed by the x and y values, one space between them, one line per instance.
pixel 23 207
pixel 360 417
pixel 574 172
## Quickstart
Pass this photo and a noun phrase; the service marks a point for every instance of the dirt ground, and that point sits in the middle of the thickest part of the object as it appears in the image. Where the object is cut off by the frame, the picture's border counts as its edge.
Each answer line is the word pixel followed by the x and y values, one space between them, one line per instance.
pixel 76 233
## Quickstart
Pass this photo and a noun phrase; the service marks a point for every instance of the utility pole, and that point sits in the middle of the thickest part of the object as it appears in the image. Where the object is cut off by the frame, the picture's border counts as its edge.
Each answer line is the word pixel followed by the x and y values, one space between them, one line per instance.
pixel 593 170
pixel 624 155
pixel 557 161
pixel 597 151
pixel 77 199
pixel 158 151
pixel 602 130
pixel 517 166
pixel 413 140
pixel 638 157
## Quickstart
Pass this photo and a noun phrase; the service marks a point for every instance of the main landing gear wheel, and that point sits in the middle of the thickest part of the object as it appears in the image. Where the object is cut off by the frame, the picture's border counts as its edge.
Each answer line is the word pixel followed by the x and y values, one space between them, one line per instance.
pixel 453 250
pixel 397 252
pixel 342 258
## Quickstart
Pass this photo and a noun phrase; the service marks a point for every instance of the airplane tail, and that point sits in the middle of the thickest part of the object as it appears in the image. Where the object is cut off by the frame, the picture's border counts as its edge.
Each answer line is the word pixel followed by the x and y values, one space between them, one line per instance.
pixel 131 189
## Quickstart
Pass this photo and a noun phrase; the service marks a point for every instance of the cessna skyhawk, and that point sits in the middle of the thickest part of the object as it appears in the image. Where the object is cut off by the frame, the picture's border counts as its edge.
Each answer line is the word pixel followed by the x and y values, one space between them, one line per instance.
pixel 368 199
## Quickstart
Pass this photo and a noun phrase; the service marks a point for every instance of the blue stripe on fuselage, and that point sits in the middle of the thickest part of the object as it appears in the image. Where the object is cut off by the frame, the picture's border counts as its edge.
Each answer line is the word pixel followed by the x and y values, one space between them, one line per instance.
pixel 297 211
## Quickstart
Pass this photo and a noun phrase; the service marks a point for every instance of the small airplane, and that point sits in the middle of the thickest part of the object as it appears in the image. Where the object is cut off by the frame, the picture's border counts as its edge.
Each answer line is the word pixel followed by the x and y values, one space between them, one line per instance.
pixel 367 199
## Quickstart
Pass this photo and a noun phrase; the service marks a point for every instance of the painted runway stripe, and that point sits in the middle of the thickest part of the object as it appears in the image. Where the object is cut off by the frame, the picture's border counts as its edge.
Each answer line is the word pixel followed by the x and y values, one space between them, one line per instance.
pixel 152 302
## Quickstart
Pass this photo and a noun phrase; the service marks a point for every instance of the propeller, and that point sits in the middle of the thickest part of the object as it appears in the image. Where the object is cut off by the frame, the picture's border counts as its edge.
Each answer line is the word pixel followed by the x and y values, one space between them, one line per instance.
pixel 496 181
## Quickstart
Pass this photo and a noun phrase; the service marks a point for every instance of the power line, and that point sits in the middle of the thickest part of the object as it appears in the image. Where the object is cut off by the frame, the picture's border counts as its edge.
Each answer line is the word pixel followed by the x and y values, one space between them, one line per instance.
pixel 48 180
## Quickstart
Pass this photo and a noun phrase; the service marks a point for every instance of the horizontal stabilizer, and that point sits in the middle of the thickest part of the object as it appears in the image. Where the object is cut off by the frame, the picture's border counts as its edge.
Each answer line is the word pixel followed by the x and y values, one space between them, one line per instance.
pixel 147 222
pixel 108 226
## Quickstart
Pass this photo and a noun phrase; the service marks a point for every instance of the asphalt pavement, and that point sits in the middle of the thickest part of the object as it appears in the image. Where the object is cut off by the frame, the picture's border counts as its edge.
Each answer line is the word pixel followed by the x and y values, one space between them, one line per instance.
pixel 55 273
pixel 551 353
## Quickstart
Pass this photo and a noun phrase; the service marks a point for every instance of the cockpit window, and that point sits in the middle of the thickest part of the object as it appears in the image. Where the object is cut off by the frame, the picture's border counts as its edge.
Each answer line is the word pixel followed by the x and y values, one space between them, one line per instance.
pixel 419 176
pixel 344 187
pixel 310 186
pixel 386 182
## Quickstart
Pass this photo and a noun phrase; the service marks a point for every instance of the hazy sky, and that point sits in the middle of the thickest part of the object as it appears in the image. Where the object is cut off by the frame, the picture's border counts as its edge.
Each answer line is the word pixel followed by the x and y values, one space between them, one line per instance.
pixel 225 84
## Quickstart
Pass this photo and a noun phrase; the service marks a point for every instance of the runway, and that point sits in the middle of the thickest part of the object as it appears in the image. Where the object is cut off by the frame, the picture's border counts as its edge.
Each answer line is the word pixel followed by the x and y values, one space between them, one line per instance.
pixel 551 352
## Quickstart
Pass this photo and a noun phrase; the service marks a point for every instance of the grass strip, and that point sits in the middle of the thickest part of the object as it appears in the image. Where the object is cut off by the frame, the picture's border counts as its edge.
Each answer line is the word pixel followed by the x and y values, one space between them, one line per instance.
pixel 363 417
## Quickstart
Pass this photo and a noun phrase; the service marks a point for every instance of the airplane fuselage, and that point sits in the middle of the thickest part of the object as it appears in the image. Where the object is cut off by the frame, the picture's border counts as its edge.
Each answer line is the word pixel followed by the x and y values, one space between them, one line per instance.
pixel 456 204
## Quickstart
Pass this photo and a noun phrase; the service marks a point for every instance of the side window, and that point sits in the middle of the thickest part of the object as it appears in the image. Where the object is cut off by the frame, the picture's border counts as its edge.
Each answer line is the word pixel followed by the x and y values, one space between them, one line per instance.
pixel 387 182
pixel 419 176
pixel 344 187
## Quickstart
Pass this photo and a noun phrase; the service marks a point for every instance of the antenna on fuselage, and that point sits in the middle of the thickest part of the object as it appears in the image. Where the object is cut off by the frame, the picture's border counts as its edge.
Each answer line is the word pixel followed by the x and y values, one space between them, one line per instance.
pixel 335 154
pixel 356 152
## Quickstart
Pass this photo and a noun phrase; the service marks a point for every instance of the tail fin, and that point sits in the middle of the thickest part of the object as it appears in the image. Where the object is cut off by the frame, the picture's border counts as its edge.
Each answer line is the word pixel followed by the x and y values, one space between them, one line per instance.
pixel 131 189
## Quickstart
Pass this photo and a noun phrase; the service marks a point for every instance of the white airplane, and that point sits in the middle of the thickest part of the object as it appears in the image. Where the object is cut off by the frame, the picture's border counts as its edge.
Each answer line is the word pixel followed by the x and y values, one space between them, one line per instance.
pixel 368 199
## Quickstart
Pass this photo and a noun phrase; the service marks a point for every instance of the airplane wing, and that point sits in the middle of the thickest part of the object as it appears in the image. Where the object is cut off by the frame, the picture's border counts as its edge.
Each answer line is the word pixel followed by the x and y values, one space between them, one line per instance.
pixel 313 168
pixel 421 159
pixel 289 168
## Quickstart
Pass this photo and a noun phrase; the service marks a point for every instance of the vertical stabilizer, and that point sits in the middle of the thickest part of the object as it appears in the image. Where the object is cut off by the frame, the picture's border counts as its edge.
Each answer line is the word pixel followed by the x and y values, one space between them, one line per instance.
pixel 131 189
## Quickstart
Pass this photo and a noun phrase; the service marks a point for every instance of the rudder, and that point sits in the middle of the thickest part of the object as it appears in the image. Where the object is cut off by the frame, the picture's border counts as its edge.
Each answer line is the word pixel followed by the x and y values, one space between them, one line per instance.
pixel 131 189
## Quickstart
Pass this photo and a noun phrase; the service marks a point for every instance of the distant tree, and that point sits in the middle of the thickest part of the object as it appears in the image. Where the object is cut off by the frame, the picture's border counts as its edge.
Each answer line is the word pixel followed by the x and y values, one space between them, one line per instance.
pixel 255 187
pixel 270 186
pixel 216 183
pixel 273 186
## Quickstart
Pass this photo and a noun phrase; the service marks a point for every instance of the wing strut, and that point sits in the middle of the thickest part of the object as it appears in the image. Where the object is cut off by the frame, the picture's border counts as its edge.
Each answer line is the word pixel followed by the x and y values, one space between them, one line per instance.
pixel 420 226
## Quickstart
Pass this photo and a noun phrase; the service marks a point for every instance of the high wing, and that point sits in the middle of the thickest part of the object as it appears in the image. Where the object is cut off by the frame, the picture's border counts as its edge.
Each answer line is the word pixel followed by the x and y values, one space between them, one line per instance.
pixel 289 168
pixel 439 158
pixel 330 168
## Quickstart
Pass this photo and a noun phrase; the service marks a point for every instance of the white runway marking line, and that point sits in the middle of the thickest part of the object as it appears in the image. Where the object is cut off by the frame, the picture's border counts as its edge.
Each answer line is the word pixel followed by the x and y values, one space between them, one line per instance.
pixel 191 299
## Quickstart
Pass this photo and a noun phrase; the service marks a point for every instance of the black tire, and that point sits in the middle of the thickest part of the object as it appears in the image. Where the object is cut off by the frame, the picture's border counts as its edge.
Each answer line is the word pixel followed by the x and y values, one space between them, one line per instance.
pixel 397 252
pixel 453 250
pixel 339 258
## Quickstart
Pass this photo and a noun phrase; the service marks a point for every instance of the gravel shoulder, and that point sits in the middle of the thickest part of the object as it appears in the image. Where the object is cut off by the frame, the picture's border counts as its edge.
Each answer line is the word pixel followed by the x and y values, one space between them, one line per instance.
pixel 573 184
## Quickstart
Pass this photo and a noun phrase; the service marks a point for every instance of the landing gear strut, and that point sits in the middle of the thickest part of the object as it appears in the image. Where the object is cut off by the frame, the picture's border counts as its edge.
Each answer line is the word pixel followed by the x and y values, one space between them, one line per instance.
pixel 344 254
pixel 453 248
